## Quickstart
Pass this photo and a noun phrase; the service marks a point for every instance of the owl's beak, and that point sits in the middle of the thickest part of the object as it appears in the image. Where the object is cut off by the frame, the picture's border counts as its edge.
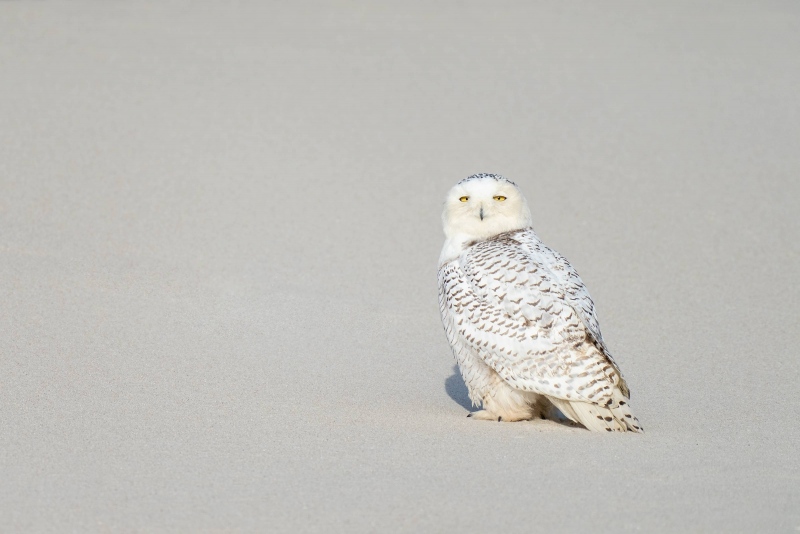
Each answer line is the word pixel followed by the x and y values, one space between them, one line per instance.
pixel 481 212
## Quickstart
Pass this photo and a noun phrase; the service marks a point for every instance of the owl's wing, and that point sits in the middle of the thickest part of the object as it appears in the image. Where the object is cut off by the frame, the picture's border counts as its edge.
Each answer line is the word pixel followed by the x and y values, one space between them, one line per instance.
pixel 575 292
pixel 525 312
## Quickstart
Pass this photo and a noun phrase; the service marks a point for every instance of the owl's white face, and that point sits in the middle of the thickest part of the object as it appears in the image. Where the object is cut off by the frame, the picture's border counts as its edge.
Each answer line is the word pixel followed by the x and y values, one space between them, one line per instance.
pixel 480 207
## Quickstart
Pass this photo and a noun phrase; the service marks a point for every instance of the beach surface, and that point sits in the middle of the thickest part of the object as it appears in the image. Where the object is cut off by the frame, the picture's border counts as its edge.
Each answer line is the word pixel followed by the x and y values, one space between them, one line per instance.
pixel 219 233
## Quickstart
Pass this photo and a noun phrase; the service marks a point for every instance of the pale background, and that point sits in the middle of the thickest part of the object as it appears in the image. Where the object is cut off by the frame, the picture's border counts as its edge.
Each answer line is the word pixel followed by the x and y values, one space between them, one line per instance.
pixel 219 226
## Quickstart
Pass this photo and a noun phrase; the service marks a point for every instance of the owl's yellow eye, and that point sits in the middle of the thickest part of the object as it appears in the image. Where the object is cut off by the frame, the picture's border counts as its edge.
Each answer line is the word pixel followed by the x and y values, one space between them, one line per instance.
pixel 463 199
pixel 499 198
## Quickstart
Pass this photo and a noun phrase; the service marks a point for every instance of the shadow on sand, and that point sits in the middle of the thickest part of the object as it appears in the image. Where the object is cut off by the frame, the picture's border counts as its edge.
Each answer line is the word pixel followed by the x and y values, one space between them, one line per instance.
pixel 457 390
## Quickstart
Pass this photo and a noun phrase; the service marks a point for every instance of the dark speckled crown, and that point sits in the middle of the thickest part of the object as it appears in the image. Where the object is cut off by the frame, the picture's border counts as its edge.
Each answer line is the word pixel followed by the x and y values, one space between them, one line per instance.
pixel 495 177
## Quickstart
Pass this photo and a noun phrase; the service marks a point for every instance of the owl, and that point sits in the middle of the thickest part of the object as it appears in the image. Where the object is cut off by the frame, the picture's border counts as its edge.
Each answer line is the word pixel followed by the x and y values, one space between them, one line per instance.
pixel 521 323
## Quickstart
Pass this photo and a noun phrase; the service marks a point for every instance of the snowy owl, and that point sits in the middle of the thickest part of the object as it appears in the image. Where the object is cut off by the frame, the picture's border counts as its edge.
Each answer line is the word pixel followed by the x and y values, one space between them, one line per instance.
pixel 518 317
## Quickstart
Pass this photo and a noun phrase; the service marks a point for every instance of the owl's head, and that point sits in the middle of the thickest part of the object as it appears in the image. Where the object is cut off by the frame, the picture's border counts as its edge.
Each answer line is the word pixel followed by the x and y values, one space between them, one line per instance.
pixel 482 206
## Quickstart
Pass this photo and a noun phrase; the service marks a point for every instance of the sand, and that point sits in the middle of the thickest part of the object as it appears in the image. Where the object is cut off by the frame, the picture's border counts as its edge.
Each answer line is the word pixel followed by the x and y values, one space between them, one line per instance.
pixel 219 228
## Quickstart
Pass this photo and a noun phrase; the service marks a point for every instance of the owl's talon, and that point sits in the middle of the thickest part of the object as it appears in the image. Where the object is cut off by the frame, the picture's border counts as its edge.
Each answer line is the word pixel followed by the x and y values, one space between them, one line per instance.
pixel 483 415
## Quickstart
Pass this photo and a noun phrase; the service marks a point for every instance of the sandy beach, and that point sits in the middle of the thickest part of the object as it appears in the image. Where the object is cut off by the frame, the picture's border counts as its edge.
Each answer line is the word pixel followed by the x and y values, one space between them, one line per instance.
pixel 219 233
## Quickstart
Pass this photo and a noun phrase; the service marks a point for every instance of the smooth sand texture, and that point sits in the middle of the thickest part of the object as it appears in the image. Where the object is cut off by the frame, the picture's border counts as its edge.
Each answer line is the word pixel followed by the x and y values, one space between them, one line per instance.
pixel 219 226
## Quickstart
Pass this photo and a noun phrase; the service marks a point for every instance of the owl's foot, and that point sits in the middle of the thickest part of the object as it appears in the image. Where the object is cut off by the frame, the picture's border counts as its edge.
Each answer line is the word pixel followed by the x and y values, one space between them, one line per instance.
pixel 485 415
pixel 507 416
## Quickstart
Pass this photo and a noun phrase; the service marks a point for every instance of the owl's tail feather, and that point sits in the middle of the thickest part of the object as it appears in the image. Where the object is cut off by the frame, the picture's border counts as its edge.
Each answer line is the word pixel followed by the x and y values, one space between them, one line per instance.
pixel 614 416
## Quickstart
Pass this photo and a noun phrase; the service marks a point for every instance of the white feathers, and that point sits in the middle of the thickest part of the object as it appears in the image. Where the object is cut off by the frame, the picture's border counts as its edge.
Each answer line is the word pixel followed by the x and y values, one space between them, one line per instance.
pixel 493 205
pixel 518 317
